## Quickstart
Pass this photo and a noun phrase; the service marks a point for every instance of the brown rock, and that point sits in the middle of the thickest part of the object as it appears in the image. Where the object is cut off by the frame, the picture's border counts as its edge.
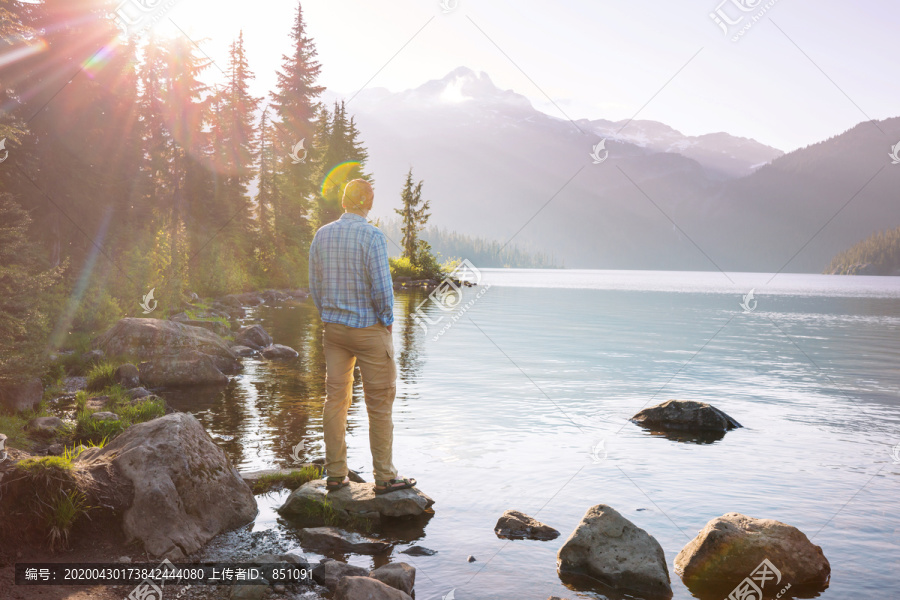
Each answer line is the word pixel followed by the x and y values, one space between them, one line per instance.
pixel 517 525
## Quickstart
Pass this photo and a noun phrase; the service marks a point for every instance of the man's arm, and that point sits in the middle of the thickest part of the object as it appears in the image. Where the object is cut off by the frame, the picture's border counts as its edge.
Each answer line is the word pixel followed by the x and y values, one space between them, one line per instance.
pixel 382 286
pixel 315 276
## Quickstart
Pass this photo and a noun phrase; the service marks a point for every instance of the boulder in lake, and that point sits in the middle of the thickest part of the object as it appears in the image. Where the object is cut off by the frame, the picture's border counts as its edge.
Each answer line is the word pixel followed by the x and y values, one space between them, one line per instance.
pixel 611 549
pixel 332 539
pixel 356 500
pixel 253 336
pixel 517 525
pixel 685 415
pixel 279 351
pixel 243 351
pixel 21 396
pixel 127 376
pixel 329 572
pixel 185 490
pixel 729 548
pixel 217 326
pixel 187 368
pixel 366 588
pixel 400 576
pixel 151 339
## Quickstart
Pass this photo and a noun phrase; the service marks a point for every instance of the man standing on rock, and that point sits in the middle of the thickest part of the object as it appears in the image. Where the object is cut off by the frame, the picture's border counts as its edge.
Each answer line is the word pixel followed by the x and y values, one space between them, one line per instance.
pixel 350 282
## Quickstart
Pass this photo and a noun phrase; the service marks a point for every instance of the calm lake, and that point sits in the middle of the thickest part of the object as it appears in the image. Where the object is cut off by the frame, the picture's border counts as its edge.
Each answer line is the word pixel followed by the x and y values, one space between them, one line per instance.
pixel 523 403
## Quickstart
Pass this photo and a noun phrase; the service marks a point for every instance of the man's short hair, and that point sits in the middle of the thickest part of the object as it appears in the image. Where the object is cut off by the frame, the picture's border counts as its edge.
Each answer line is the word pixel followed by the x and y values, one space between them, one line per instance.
pixel 358 193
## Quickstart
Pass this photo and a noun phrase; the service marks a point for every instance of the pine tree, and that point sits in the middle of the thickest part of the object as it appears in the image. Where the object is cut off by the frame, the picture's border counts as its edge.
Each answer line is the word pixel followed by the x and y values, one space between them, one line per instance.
pixel 296 106
pixel 413 217
pixel 342 148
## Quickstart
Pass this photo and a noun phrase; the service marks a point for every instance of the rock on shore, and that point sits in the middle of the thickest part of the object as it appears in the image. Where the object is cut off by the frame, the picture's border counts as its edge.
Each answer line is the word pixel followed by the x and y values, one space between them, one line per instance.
pixel 337 540
pixel 185 489
pixel 611 549
pixel 730 547
pixel 356 500
pixel 21 396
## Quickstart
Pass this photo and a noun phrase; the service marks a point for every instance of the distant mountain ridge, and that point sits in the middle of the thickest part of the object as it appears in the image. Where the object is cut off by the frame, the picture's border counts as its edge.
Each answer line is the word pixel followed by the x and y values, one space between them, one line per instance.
pixel 495 167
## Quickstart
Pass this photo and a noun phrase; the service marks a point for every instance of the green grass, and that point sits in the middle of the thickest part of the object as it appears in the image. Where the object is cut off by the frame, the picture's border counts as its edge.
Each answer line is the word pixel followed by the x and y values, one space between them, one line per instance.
pixel 13 426
pixel 196 317
pixel 101 376
pixel 90 431
pixel 61 514
pixel 291 481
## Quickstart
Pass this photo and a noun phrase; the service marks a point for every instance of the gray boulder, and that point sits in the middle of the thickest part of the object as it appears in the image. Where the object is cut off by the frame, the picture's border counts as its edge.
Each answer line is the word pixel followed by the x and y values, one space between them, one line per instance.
pixel 216 326
pixel 127 376
pixel 365 588
pixel 105 416
pixel 253 336
pixel 517 525
pixel 329 572
pixel 730 547
pixel 400 576
pixel 152 339
pixel 185 490
pixel 45 425
pixel 138 393
pixel 21 396
pixel 611 549
pixel 187 368
pixel 685 415
pixel 278 351
pixel 356 500
pixel 333 539
pixel 243 351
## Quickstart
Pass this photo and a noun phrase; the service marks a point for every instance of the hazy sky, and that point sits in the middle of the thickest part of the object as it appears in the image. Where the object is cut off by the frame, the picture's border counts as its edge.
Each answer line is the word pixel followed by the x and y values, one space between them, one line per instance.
pixel 598 59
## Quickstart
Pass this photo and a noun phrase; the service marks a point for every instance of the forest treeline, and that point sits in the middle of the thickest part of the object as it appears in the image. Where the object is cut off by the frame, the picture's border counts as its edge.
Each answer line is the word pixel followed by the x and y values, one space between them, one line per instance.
pixel 126 172
pixel 878 254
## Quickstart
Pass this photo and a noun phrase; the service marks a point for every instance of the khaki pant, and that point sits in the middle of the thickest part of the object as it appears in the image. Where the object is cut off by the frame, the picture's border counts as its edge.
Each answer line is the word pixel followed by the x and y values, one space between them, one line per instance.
pixel 373 348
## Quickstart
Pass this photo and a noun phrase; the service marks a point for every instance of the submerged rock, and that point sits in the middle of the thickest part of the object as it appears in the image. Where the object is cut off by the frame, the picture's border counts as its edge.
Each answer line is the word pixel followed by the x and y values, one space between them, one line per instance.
pixel 329 572
pixel 365 588
pixel 729 548
pixel 611 549
pixel 685 415
pixel 419 551
pixel 357 499
pixel 279 351
pixel 185 490
pixel 400 576
pixel 517 525
pixel 21 396
pixel 243 351
pixel 333 539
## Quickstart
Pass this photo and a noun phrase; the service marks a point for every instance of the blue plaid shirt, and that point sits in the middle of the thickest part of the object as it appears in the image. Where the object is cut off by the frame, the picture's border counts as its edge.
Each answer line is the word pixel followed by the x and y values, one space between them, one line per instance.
pixel 349 273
